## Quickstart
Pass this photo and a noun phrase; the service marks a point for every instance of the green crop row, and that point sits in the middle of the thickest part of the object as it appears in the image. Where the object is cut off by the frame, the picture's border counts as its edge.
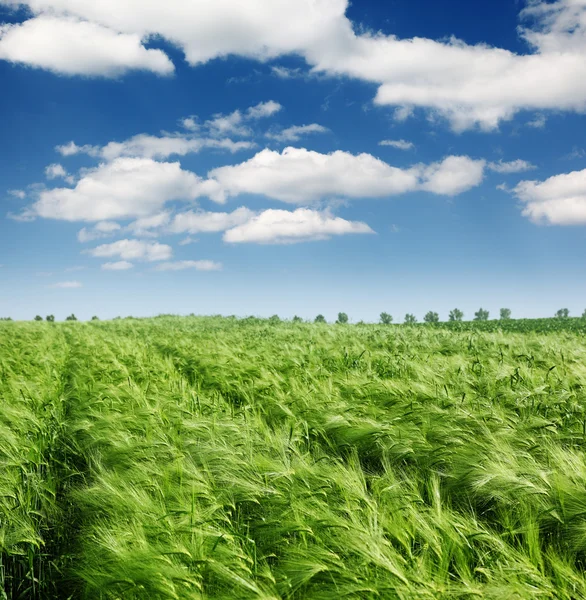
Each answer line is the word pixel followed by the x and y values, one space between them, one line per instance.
pixel 210 458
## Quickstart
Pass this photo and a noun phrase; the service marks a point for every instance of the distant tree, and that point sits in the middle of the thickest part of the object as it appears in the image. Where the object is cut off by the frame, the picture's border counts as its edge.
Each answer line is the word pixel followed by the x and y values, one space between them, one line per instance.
pixel 505 314
pixel 456 315
pixel 562 313
pixel 297 319
pixel 275 319
pixel 320 319
pixel 584 315
pixel 481 315
pixel 71 317
pixel 94 318
pixel 385 318
pixel 50 318
pixel 410 319
pixel 5 318
pixel 431 317
pixel 342 318
pixel 38 318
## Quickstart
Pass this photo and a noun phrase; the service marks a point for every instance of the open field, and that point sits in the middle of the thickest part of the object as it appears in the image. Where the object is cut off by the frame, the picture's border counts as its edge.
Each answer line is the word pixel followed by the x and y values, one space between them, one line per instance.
pixel 213 458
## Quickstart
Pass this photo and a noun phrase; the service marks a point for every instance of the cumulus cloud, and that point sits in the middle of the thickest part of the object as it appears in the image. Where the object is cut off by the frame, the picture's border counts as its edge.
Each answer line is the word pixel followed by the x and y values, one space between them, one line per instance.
pixel 559 200
pixel 198 265
pixel 471 85
pixel 301 176
pixel 399 144
pixel 67 285
pixel 290 227
pixel 70 46
pixel 296 132
pixel 124 188
pixel 286 73
pixel 71 149
pixel 538 122
pixel 186 241
pixel 20 194
pixel 121 265
pixel 148 225
pixel 514 166
pixel 55 171
pixel 210 135
pixel 452 176
pixel 235 123
pixel 133 250
pixel 263 110
pixel 100 230
pixel 206 222
pixel 155 147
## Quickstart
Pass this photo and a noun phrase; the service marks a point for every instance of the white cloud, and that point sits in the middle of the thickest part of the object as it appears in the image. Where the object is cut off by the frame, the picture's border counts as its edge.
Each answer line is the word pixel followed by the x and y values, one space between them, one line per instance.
pixel 133 250
pixel 301 176
pixel 471 85
pixel 70 46
pixel 67 285
pixel 151 146
pixel 399 144
pixel 514 166
pixel 286 73
pixel 148 225
pixel 71 149
pixel 55 171
pixel 124 188
pixel 232 124
pixel 538 122
pixel 289 227
pixel 20 194
pixel 235 123
pixel 263 110
pixel 121 265
pixel 294 133
pixel 452 176
pixel 559 200
pixel 198 265
pixel 186 241
pixel 189 123
pixel 207 222
pixel 101 230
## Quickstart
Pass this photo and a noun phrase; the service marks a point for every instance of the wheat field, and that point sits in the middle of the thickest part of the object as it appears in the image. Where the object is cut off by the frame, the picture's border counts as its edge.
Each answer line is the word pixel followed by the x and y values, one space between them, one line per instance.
pixel 212 458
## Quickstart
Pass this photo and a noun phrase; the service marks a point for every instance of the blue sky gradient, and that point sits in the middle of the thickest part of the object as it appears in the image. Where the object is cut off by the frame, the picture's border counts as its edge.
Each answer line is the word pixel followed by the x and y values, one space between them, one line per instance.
pixel 429 250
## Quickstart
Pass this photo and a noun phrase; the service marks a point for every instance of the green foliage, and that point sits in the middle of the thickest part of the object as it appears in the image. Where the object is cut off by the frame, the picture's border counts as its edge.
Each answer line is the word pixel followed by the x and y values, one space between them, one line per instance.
pixel 50 318
pixel 94 318
pixel 342 318
pixel 456 315
pixel 431 317
pixel 275 319
pixel 297 319
pixel 562 313
pixel 71 317
pixel 5 319
pixel 505 314
pixel 320 319
pixel 385 318
pixel 481 315
pixel 232 459
pixel 410 319
pixel 38 318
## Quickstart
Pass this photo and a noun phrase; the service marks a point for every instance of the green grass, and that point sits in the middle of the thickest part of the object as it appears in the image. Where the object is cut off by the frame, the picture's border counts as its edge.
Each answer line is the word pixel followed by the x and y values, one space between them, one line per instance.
pixel 180 458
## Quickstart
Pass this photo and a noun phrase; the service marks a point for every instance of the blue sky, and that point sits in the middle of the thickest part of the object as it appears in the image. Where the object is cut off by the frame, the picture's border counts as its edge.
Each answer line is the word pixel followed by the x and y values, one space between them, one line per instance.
pixel 296 157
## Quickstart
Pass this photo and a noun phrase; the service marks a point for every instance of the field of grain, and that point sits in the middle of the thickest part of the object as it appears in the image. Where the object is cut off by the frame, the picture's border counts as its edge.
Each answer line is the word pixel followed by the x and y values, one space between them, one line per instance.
pixel 184 458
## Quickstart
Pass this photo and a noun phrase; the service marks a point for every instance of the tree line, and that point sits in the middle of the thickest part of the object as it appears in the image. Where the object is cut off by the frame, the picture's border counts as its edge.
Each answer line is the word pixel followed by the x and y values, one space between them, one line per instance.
pixel 385 318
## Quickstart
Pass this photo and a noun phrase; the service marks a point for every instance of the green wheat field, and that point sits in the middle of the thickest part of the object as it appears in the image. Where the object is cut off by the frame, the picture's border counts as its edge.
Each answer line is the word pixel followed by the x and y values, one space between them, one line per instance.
pixel 183 458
